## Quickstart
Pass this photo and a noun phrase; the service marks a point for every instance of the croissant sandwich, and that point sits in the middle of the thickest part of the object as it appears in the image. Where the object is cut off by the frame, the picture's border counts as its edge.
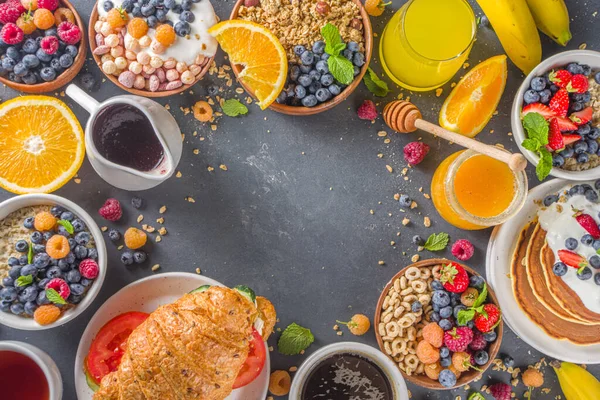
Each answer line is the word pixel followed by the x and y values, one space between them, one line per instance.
pixel 202 346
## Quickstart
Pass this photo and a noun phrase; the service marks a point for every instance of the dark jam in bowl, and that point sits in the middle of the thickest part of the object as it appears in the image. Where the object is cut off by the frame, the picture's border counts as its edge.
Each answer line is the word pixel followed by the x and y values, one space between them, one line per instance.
pixel 347 376
pixel 21 378
pixel 123 134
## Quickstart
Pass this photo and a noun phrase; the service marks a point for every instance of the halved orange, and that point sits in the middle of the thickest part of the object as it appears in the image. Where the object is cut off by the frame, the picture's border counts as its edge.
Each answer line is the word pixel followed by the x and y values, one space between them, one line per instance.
pixel 41 144
pixel 470 105
pixel 260 53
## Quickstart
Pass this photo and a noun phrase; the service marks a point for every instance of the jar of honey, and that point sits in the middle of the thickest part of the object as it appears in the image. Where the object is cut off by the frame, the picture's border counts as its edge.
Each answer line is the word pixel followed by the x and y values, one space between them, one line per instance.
pixel 474 191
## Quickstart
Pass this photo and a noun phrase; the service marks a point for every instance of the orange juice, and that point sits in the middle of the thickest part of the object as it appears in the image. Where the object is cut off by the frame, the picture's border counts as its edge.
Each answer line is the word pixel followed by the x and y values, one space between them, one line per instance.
pixel 426 42
pixel 473 191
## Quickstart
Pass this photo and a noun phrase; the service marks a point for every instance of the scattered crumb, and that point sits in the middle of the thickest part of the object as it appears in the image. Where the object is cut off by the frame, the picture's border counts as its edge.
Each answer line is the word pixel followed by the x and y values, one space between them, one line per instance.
pixel 104 228
pixel 162 210
pixel 140 218
pixel 381 262
pixel 223 167
pixel 155 267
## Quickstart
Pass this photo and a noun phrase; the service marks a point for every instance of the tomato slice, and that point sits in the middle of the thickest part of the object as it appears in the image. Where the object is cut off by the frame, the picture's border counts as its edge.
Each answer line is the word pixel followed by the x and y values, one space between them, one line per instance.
pixel 110 344
pixel 254 363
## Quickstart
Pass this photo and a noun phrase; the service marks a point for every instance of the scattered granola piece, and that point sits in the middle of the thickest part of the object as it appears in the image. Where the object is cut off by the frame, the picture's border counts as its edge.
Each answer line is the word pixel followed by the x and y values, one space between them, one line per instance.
pixel 104 228
pixel 178 174
pixel 160 220
pixel 381 262
pixel 415 258
pixel 158 239
pixel 223 167
pixel 405 221
pixel 210 169
pixel 390 169
pixel 427 222
pixel 162 210
pixel 162 230
pixel 155 267
pixel 140 218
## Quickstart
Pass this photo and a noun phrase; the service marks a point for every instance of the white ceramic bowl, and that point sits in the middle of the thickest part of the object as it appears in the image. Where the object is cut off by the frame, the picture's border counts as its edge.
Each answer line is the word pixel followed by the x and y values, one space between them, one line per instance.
pixel 18 202
pixel 391 370
pixel 592 58
pixel 43 360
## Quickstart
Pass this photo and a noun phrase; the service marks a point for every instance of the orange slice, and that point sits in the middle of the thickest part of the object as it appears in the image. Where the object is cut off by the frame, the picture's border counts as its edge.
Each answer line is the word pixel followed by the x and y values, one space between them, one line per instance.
pixel 260 53
pixel 470 105
pixel 41 144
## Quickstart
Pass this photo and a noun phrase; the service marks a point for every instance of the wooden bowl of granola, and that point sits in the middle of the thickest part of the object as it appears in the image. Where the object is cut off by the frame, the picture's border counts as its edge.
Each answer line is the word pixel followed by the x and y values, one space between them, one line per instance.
pixel 66 76
pixel 365 23
pixel 422 379
pixel 94 17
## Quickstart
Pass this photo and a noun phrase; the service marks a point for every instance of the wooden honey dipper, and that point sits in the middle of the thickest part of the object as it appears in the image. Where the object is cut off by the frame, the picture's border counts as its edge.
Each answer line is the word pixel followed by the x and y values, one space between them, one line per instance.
pixel 404 117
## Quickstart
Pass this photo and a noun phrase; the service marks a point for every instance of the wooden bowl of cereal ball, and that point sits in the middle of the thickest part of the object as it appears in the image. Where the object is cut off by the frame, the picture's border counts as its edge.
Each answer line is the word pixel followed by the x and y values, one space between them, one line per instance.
pixel 143 66
pixel 426 347
pixel 356 31
pixel 54 36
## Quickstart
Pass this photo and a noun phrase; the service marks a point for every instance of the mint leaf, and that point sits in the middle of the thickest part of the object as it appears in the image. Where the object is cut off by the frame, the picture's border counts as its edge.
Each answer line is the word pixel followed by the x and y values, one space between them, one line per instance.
pixel 437 241
pixel 537 127
pixel 374 84
pixel 333 41
pixel 54 297
pixel 30 254
pixel 67 225
pixel 341 69
pixel 465 316
pixel 482 296
pixel 233 108
pixel 24 280
pixel 531 145
pixel 294 339
pixel 476 396
pixel 542 170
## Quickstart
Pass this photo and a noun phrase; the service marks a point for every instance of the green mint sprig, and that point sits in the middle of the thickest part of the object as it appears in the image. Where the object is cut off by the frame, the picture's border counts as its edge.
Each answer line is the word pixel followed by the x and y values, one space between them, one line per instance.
pixel 465 316
pixel 30 254
pixel 54 297
pixel 233 108
pixel 375 85
pixel 294 339
pixel 339 66
pixel 24 280
pixel 537 129
pixel 67 225
pixel 437 241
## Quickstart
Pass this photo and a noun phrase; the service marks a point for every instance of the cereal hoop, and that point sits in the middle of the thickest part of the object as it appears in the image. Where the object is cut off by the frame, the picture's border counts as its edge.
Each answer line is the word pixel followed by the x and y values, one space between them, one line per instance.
pixel 68 75
pixel 144 93
pixel 302 111
pixel 423 380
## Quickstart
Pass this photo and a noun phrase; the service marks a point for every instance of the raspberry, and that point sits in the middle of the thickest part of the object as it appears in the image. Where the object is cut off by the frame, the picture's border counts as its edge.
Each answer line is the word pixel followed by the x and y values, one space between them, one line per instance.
pixel 11 34
pixel 500 391
pixel 426 353
pixel 138 28
pixel 64 14
pixel 135 238
pixel 111 210
pixel 458 339
pixel 8 13
pixel 117 18
pixel 46 314
pixel 44 221
pixel 69 32
pixel 433 370
pixel 29 4
pixel 17 4
pixel 165 35
pixel 25 22
pixel 463 249
pixel 49 44
pixel 48 4
pixel 89 269
pixel 415 152
pixel 533 378
pixel 58 247
pixel 358 325
pixel 367 111
pixel 461 361
pixel 60 286
pixel 433 334
pixel 43 18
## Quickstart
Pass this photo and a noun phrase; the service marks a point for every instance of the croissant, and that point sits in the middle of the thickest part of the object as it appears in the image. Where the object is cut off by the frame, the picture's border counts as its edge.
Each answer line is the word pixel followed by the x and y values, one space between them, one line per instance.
pixel 191 349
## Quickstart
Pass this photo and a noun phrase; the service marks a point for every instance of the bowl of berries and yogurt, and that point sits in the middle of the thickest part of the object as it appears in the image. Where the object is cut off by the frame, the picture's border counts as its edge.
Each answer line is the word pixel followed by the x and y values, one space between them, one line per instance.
pixel 556 116
pixel 153 48
pixel 52 261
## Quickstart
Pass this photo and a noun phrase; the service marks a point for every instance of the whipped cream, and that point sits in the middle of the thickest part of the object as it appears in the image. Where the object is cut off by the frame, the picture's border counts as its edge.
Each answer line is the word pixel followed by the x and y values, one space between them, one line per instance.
pixel 561 225
pixel 185 50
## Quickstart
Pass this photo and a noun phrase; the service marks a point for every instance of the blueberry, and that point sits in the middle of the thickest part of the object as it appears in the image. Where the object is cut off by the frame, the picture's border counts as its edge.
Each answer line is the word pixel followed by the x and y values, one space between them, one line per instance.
pixel 78 225
pixel 358 59
pixel 574 68
pixel 48 74
pixel 170 4
pixel 300 92
pixel 127 5
pixel 15 272
pixel 597 279
pixel 13 53
pixel 334 89
pixel 558 160
pixel 299 50
pixel 114 235
pixel 580 147
pixel 434 317
pixel 567 152
pixel 594 261
pixel 77 289
pixel 437 285
pixel 30 61
pixel 21 246
pixel 186 5
pixel 436 308
pixel 41 298
pixel 576 190
pixel 596 245
pixel 323 94
pixel 314 75
pixel 304 80
pixel 23 259
pixel 30 46
pixel 571 243
pixel 148 10
pixel 356 70
pixel 583 158
pixel 14 78
pixel 481 357
pixel 416 306
pixel 490 336
pixel 36 237
pixel 8 294
pixel 577 106
pixel 17 308
pixel 139 257
pixel 349 54
pixel 305 69
pixel 587 240
pixel 322 67
pixel 73 276
pixel 597 77
pixel 307 58
pixel 309 101
pixel 43 56
pixel 445 324
pixel 559 269
pixel 74 299
pixel 41 260
pixel 594 133
pixel 127 258
pixel 108 5
pixel 531 96
pixel 54 272
pixel 353 46
pixel 327 80
pixel 592 146
pixel 550 199
pixel 30 307
pixel 446 312
pixel 30 78
pixel 584 274
pixel 545 96
pixel 318 47
pixel 66 60
pixel 187 16
pixel 70 258
pixel 93 253
pixel 20 69
pixel 28 294
pixel 86 282
pixel 441 298
pixel 63 231
pixel 136 11
pixel 182 28
pixel 447 378
pixel 5 306
pixel 404 200
pixel 538 83
pixel 584 129
pixel 72 50
pixel 325 57
pixel 8 281
pixel 445 362
pixel 294 73
pixel 64 265
pixel 161 15
pixel 67 215
pixel 591 195
pixel 57 211
pixel 82 238
pixel 80 252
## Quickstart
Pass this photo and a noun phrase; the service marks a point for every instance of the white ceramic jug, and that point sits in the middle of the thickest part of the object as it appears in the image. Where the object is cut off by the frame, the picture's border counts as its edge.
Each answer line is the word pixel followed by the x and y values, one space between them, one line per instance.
pixel 165 127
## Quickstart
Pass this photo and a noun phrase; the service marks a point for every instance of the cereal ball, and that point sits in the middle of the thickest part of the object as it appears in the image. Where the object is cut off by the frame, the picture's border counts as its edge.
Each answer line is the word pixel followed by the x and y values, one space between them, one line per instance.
pixel 165 35
pixel 187 78
pixel 117 51
pixel 148 70
pixel 106 57
pixel 121 62
pixel 156 62
pixel 195 69
pixel 426 353
pixel 132 43
pixel 106 29
pixel 139 83
pixel 200 59
pixel 533 378
pixel 137 28
pixel 157 47
pixel 98 26
pixel 280 383
pixel 172 75
pixel 130 55
pixel 135 238
pixel 181 66
pixel 44 221
pixel 145 41
pixel 170 63
pixel 135 67
pixel 433 334
pixel 127 79
pixel 143 58
pixel 109 67
pixel 433 370
pixel 153 83
pixel 112 40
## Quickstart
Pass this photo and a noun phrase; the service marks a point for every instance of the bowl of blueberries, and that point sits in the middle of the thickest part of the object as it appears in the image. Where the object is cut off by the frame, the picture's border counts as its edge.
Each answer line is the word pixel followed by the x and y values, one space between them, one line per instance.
pixel 311 87
pixel 42 44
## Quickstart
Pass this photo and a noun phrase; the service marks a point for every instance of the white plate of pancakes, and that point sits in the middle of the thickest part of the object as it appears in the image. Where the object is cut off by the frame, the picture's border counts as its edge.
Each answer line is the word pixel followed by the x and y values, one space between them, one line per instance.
pixel 537 305
pixel 146 295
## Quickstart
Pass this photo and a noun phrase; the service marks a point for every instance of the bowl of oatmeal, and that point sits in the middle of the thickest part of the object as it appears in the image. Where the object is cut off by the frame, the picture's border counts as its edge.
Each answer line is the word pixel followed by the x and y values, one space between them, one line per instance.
pixel 311 87
pixel 53 261
pixel 565 90
pixel 153 49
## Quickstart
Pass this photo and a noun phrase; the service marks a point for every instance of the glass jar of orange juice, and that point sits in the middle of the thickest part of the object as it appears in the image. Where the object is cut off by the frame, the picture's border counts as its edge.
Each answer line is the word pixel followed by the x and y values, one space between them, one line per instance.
pixel 474 191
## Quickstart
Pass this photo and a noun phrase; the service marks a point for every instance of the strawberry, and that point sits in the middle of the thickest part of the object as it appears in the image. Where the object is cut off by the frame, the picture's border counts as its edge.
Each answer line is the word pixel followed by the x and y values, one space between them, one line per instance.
pixel 565 124
pixel 572 259
pixel 488 318
pixel 587 222
pixel 454 277
pixel 572 138
pixel 579 84
pixel 560 103
pixel 560 78
pixel 539 108
pixel 555 138
pixel 582 117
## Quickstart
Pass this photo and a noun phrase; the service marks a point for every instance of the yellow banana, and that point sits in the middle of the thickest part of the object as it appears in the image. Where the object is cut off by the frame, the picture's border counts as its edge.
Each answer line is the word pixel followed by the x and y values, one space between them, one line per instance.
pixel 552 18
pixel 516 29
pixel 575 382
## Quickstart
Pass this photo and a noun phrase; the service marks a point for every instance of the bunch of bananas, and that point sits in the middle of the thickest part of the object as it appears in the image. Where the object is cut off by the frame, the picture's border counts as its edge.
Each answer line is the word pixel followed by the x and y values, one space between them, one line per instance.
pixel 575 382
pixel 516 23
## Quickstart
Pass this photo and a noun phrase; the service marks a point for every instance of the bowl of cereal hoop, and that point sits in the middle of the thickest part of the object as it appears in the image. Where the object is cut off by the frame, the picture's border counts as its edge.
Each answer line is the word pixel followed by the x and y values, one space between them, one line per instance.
pixel 440 323
pixel 43 44
pixel 153 48
pixel 304 29
pixel 53 261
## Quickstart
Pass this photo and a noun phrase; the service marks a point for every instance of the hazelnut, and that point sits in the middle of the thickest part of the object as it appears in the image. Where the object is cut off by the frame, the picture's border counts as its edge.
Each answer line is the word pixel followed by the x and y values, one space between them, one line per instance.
pixel 323 8
pixel 356 24
pixel 251 3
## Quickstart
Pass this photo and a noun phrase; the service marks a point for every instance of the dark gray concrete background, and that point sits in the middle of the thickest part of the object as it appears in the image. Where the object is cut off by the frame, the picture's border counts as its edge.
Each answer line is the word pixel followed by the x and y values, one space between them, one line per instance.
pixel 291 216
